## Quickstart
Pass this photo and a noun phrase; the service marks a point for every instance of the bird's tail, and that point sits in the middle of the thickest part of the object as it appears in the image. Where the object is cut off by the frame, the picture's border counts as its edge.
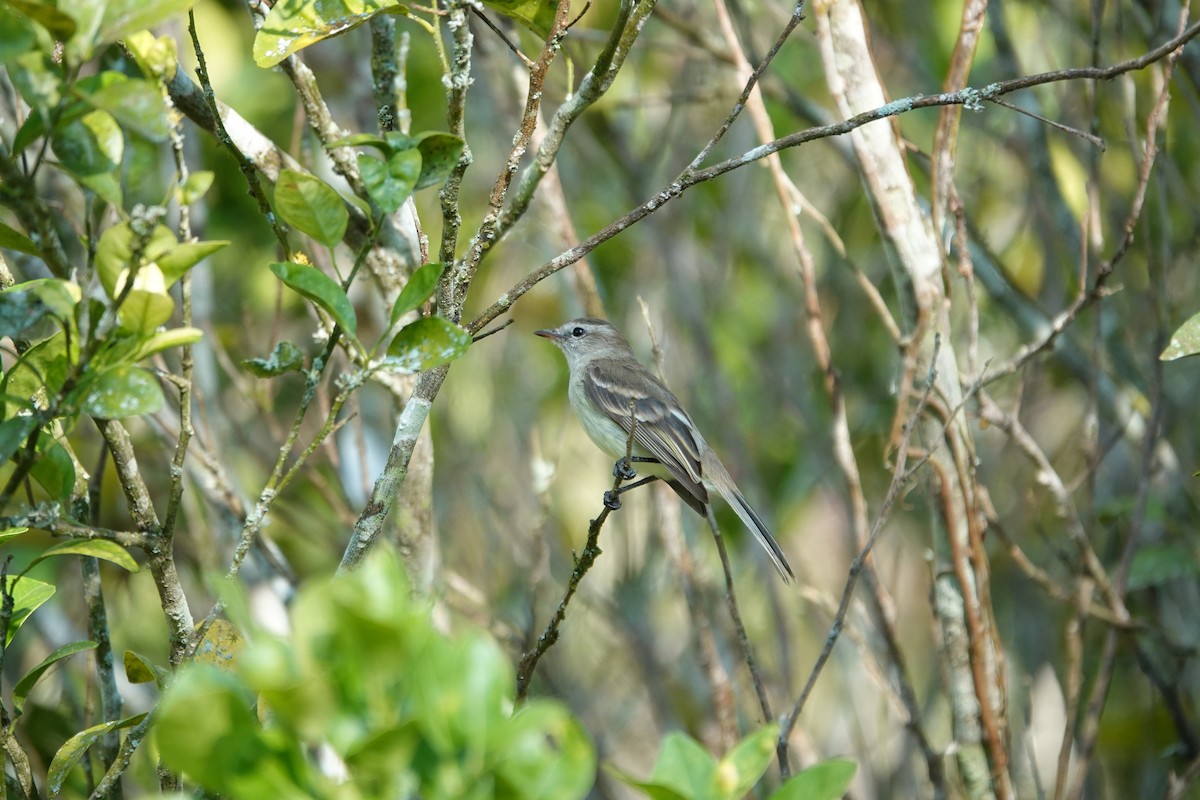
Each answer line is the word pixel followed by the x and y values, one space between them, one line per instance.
pixel 717 477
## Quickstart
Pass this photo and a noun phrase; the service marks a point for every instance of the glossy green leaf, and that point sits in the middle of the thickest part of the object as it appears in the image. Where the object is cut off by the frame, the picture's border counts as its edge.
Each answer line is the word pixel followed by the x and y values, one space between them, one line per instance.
pixel 55 471
pixel 60 297
pixel 545 754
pixel 828 780
pixel 12 239
pixel 26 684
pixel 41 368
pixel 72 753
pixel 419 288
pixel 293 25
pixel 363 140
pixel 27 594
pixel 157 57
pixel 427 343
pixel 20 310
pixel 310 205
pixel 91 145
pixel 95 548
pixel 166 340
pixel 1185 341
pixel 536 15
pixel 59 24
pixel 123 391
pixel 320 289
pixel 389 183
pixel 114 252
pixel 136 104
pixel 286 357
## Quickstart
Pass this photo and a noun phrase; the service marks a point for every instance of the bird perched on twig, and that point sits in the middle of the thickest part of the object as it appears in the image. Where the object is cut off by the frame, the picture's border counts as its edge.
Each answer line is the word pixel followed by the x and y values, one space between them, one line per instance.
pixel 612 393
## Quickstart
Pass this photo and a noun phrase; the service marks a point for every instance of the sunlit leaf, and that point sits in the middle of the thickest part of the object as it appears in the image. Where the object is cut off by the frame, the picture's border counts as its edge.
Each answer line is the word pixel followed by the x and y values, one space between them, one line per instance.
pixel 136 104
pixel 156 56
pixel 95 548
pixel 26 684
pixel 195 187
pixel 180 258
pixel 536 15
pixel 12 239
pixel 418 289
pixel 427 343
pixel 123 391
pixel 73 751
pixel 741 768
pixel 114 251
pixel 123 17
pixel 27 594
pixel 828 780
pixel 12 533
pixel 320 289
pixel 310 205
pixel 221 645
pixel 55 471
pixel 165 340
pixel 293 25
pixel 139 669
pixel 91 145
pixel 1185 341
pixel 16 34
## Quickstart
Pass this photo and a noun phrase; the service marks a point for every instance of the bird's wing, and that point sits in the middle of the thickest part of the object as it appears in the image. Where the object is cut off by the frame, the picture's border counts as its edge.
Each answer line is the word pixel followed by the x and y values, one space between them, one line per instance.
pixel 663 427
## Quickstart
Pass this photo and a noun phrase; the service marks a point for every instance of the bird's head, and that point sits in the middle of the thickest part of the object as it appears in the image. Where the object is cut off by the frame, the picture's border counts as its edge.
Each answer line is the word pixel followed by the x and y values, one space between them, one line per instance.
pixel 586 338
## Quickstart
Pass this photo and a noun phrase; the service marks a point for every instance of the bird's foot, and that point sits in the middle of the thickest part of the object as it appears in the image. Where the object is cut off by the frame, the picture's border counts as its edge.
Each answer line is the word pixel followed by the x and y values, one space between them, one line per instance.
pixel 623 470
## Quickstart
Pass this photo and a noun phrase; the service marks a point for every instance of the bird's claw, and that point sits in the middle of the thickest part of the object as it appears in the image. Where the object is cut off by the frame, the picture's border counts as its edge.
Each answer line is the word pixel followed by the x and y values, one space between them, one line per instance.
pixel 623 470
pixel 612 501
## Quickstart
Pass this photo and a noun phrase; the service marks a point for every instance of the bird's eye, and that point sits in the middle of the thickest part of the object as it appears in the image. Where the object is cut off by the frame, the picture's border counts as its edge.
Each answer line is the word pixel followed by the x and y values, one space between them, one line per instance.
pixel 578 333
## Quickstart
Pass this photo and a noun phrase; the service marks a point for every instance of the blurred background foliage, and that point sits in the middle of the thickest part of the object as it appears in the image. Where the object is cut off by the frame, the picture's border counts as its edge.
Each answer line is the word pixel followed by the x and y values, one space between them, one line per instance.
pixel 515 480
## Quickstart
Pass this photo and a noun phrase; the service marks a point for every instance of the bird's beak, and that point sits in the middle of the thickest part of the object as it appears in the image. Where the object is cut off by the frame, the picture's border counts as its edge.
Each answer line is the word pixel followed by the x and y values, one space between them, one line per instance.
pixel 545 334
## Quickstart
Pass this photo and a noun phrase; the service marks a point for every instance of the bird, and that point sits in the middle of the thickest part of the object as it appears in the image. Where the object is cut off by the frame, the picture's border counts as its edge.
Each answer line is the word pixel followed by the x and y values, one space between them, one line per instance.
pixel 612 392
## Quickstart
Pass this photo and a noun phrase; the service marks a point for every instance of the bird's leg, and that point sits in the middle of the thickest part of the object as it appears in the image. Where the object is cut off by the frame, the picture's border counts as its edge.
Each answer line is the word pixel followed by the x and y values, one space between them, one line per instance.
pixel 612 500
pixel 623 470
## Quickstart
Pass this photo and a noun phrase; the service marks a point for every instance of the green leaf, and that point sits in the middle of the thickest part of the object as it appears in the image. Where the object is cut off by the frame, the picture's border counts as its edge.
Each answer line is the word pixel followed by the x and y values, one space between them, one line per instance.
pixel 418 289
pixel 40 369
pixel 12 239
pixel 741 768
pixel 73 752
pixel 536 15
pixel 195 187
pixel 293 25
pixel 390 183
pixel 157 57
pixel 17 36
pixel 20 310
pixel 221 645
pixel 310 205
pixel 114 252
pixel 91 145
pixel 26 684
pixel 139 669
pixel 363 140
pixel 684 766
pixel 27 595
pixel 59 24
pixel 124 17
pixel 440 153
pixel 95 548
pixel 123 391
pixel 39 81
pixel 14 433
pixel 320 289
pixel 147 305
pixel 136 104
pixel 427 343
pixel 1158 563
pixel 11 533
pixel 1185 341
pixel 178 259
pixel 828 780
pixel 545 754
pixel 286 357
pixel 176 337
pixel 55 471
pixel 59 296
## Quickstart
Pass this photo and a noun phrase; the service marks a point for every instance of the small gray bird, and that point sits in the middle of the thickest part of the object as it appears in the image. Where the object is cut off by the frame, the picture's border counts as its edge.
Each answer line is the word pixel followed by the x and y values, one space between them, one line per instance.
pixel 610 388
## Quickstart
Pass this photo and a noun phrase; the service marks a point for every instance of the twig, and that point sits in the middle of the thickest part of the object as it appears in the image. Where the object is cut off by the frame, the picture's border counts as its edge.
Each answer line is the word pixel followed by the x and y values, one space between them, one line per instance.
pixel 583 563
pixel 494 330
